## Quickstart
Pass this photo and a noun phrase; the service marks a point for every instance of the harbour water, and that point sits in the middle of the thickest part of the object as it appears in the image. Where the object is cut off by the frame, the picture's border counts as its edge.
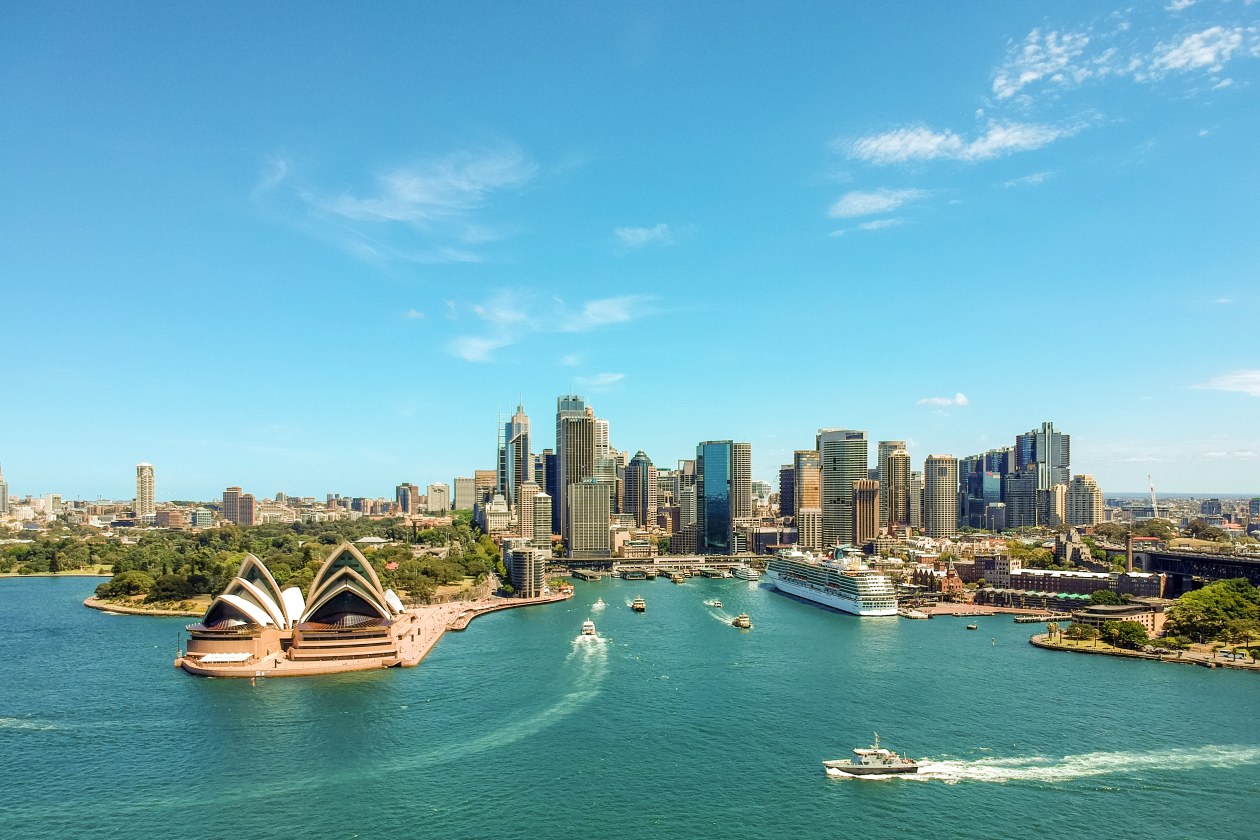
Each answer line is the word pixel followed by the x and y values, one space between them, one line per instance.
pixel 670 723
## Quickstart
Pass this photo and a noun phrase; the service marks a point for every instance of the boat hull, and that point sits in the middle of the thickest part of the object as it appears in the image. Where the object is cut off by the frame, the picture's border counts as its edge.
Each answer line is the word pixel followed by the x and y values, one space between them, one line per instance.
pixel 827 599
pixel 870 769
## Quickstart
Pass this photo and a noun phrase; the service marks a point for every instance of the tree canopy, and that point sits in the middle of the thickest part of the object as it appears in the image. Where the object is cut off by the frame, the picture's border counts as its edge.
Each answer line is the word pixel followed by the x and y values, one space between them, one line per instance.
pixel 1205 613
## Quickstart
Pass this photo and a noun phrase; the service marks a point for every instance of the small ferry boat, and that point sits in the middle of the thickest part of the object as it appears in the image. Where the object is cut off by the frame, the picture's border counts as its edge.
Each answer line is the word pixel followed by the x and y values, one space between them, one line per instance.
pixel 875 761
pixel 973 627
pixel 747 573
pixel 599 604
pixel 741 621
pixel 639 605
pixel 677 577
pixel 588 628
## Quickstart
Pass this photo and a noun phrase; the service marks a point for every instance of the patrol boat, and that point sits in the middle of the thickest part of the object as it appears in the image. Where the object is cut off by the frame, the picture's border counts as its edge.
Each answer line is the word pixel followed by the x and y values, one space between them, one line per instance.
pixel 875 761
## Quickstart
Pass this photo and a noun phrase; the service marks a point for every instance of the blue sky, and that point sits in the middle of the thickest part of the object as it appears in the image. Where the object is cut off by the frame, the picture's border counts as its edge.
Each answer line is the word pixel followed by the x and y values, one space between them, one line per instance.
pixel 315 248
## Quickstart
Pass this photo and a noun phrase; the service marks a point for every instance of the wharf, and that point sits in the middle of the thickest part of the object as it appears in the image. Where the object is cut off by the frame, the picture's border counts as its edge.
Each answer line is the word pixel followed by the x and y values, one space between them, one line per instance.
pixel 473 609
pixel 1185 657
pixel 975 609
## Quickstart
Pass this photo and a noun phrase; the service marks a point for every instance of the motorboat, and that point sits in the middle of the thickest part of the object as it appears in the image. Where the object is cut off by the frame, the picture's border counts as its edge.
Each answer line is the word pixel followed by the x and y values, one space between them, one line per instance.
pixel 875 761
pixel 639 605
pixel 588 628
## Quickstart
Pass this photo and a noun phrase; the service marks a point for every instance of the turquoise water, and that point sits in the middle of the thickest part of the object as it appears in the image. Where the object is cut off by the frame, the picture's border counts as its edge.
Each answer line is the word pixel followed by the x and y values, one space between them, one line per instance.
pixel 671 724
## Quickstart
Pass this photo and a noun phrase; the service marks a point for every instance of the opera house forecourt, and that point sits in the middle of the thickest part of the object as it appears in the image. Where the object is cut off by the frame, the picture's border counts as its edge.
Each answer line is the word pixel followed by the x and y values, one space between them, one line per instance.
pixel 348 622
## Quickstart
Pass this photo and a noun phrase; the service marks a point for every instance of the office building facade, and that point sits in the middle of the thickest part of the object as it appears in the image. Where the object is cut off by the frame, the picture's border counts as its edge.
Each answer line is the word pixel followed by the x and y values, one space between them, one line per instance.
pixel 589 516
pixel 723 493
pixel 940 496
pixel 843 457
pixel 895 494
pixel 575 452
pixel 516 461
pixel 1047 452
pixel 884 449
pixel 640 490
pixel 232 505
pixel 1084 501
pixel 465 494
pixel 865 511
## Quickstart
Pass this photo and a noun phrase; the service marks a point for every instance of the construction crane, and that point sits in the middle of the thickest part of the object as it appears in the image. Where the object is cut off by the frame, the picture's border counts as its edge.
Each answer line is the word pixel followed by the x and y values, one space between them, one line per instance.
pixel 1154 506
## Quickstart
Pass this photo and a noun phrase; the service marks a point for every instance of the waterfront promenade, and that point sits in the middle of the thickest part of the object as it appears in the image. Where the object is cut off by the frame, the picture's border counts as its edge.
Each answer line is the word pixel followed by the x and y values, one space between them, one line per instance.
pixel 1206 659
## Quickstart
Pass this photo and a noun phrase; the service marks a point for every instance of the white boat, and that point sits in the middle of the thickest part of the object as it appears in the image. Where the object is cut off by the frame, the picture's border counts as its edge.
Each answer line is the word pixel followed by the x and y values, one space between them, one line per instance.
pixel 588 628
pixel 842 583
pixel 599 604
pixel 747 573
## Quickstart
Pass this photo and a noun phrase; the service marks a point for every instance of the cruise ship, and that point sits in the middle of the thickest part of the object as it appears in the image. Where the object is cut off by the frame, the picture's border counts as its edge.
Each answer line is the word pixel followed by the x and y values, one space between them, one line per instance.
pixel 843 583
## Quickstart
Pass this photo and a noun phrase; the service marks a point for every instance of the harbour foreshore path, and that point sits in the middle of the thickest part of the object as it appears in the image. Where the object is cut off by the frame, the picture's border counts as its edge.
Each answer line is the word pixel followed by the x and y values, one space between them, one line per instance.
pixel 1184 657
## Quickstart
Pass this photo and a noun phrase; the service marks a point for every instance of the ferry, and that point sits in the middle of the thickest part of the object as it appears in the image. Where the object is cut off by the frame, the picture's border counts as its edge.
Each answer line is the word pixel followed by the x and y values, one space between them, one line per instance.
pixel 599 604
pixel 839 580
pixel 875 761
pixel 639 605
pixel 741 621
pixel 588 628
pixel 747 573
pixel 973 627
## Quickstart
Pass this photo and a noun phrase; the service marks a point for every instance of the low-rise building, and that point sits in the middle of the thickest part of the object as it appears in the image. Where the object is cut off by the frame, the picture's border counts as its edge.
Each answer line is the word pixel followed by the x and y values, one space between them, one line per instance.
pixel 1149 615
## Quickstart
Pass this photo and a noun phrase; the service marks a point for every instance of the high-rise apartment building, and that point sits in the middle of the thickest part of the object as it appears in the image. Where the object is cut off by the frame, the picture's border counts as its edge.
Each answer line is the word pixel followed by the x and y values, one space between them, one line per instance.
pixel 541 529
pixel 809 528
pixel 1084 501
pixel 589 516
pixel 843 455
pixel 865 511
pixel 1052 506
pixel 232 505
pixel 4 494
pixel 575 452
pixel 465 494
pixel 808 468
pixel 525 510
pixel 516 462
pixel 247 509
pixel 146 504
pixel 940 496
pixel 601 437
pixel 439 498
pixel 886 448
pixel 916 500
pixel 1047 452
pixel 723 493
pixel 895 489
pixel 787 490
pixel 640 490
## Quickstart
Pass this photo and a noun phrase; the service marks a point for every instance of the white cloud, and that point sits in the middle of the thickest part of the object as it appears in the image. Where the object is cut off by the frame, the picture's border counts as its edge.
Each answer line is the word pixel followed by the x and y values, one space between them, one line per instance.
pixel 1178 5
pixel 1223 83
pixel 879 223
pixel 477 348
pixel 1224 300
pixel 957 399
pixel 636 237
pixel 571 360
pixel 879 201
pixel 1029 180
pixel 411 313
pixel 1246 381
pixel 511 317
pixel 1036 57
pixel 600 382
pixel 451 186
pixel 501 310
pixel 921 143
pixel 1210 48
pixel 607 311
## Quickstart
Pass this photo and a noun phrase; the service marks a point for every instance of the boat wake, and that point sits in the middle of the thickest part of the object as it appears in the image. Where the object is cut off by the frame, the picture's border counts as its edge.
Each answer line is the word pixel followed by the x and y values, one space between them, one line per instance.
pixel 26 723
pixel 598 606
pixel 1048 770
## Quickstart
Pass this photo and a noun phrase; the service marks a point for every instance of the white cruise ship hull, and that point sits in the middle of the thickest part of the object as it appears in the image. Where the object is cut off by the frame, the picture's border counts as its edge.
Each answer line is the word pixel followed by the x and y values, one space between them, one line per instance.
pixel 829 599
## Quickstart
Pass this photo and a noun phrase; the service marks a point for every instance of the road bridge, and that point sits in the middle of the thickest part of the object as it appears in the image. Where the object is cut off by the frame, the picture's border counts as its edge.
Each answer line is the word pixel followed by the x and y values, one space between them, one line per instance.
pixel 1182 567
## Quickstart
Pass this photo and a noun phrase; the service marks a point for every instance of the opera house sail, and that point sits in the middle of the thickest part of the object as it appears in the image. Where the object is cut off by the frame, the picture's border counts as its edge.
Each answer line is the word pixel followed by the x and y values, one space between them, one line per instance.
pixel 347 622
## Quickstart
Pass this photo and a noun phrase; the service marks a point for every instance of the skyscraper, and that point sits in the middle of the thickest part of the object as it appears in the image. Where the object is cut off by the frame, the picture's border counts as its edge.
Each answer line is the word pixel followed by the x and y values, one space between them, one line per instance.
pixel 232 505
pixel 542 522
pixel 865 511
pixel 516 462
pixel 575 451
pixel 587 534
pixel 809 528
pixel 145 503
pixel 1084 501
pixel 808 468
pixel 439 498
pixel 940 496
pixel 843 453
pixel 465 494
pixel 916 500
pixel 787 490
pixel 407 495
pixel 886 448
pixel 246 510
pixel 1047 452
pixel 601 436
pixel 4 494
pixel 896 506
pixel 640 490
pixel 549 486
pixel 1020 494
pixel 529 493
pixel 723 492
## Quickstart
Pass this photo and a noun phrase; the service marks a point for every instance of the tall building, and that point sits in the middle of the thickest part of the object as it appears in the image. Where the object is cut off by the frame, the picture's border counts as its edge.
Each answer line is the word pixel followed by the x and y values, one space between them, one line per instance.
pixel 808 468
pixel 589 515
pixel 484 484
pixel 640 490
pixel 895 489
pixel 809 528
pixel 550 486
pixel 723 493
pixel 885 448
pixel 575 452
pixel 232 505
pixel 465 494
pixel 542 522
pixel 843 453
pixel 1020 495
pixel 916 500
pixel 1000 461
pixel 940 496
pixel 145 502
pixel 1048 453
pixel 246 509
pixel 1084 501
pixel 527 568
pixel 787 490
pixel 4 494
pixel 407 496
pixel 439 499
pixel 1052 505
pixel 865 511
pixel 529 492
pixel 601 437
pixel 516 462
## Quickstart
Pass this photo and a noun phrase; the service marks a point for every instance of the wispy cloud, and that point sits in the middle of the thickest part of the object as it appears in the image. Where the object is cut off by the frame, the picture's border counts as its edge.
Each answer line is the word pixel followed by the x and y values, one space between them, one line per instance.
pixel 880 223
pixel 878 201
pixel 957 399
pixel 511 317
pixel 411 313
pixel 637 237
pixel 599 382
pixel 615 310
pixel 922 143
pixel 1029 180
pixel 571 360
pixel 1038 57
pixel 1246 381
pixel 1178 5
pixel 477 348
pixel 1210 48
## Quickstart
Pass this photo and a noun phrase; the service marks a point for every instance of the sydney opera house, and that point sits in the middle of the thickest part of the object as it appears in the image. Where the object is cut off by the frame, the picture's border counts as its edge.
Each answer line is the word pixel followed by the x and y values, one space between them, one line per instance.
pixel 348 622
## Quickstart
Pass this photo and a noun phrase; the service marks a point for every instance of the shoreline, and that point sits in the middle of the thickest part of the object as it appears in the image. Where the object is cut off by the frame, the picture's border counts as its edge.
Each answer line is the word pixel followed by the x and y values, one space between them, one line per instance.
pixel 1042 641
pixel 57 574
pixel 93 604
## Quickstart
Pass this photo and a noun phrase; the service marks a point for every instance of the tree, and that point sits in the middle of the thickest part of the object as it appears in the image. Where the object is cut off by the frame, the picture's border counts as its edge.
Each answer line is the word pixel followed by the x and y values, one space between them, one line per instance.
pixel 1200 530
pixel 1104 597
pixel 1205 613
pixel 169 588
pixel 1051 629
pixel 128 583
pixel 1129 634
pixel 662 545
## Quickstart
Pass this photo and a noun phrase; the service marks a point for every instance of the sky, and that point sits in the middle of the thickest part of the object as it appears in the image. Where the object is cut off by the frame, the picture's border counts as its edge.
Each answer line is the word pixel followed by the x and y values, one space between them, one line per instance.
pixel 317 248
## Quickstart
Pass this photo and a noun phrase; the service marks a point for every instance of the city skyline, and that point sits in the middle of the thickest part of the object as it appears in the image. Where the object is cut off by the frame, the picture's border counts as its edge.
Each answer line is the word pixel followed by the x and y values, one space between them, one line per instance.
pixel 519 210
